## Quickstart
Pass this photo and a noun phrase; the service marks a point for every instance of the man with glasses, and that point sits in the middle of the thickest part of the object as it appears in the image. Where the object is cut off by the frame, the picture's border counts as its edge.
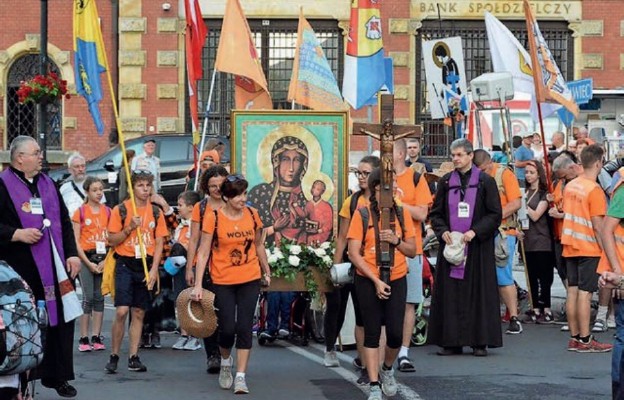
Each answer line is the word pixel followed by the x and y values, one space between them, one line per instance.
pixel 465 305
pixel 27 247
pixel 148 162
pixel 72 191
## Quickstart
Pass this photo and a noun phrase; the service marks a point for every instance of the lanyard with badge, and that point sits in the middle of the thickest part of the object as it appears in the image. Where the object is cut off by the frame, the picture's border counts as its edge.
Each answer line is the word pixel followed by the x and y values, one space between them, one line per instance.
pixel 137 247
pixel 100 246
pixel 463 208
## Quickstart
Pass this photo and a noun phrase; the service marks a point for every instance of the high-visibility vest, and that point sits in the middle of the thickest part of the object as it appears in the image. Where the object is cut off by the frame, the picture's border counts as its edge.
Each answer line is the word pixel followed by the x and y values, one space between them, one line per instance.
pixel 578 237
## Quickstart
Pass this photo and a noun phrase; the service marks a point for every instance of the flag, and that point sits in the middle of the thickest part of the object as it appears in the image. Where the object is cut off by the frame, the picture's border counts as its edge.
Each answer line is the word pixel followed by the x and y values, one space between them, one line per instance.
pixel 508 55
pixel 364 72
pixel 237 55
pixel 195 37
pixel 549 83
pixel 89 57
pixel 312 83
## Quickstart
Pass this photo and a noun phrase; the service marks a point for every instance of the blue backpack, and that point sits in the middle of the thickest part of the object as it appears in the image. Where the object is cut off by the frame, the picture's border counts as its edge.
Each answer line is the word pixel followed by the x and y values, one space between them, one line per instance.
pixel 20 336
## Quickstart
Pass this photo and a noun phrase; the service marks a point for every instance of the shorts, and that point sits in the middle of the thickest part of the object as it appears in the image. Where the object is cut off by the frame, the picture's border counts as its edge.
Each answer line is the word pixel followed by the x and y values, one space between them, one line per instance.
pixel 130 288
pixel 414 280
pixel 504 274
pixel 582 272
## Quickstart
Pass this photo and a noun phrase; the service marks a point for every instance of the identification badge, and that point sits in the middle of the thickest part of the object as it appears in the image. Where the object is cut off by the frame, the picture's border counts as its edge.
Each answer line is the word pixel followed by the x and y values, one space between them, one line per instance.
pixel 112 177
pixel 36 206
pixel 525 224
pixel 137 251
pixel 100 247
pixel 463 210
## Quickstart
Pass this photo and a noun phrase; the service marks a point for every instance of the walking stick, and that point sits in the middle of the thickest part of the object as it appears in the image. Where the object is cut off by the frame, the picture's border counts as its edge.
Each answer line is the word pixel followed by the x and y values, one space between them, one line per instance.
pixel 526 273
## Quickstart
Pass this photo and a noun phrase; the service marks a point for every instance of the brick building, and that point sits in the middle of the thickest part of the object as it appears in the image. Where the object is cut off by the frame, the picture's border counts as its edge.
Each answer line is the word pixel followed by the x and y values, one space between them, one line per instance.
pixel 145 47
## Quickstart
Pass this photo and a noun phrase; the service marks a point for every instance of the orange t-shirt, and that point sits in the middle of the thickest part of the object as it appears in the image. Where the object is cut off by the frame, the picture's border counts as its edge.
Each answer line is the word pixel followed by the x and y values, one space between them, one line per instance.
pixel 558 202
pixel 235 260
pixel 370 256
pixel 150 229
pixel 182 234
pixel 597 207
pixel 92 226
pixel 345 210
pixel 512 190
pixel 414 196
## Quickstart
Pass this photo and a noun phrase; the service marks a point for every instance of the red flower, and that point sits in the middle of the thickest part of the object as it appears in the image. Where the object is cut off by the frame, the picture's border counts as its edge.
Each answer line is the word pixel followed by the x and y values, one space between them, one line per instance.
pixel 42 87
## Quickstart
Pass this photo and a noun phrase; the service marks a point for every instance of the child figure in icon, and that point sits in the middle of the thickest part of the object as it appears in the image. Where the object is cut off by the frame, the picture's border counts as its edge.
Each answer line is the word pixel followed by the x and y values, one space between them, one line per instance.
pixel 319 222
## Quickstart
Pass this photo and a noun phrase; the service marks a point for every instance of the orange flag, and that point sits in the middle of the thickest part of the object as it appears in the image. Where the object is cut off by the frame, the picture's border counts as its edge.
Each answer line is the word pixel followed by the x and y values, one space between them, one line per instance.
pixel 237 55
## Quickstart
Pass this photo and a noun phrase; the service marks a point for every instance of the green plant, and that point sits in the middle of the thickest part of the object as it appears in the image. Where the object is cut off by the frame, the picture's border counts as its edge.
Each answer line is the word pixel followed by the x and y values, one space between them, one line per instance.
pixel 288 258
pixel 41 87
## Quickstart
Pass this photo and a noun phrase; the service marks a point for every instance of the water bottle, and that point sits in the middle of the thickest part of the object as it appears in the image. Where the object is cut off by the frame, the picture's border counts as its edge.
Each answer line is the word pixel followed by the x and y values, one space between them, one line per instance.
pixel 42 318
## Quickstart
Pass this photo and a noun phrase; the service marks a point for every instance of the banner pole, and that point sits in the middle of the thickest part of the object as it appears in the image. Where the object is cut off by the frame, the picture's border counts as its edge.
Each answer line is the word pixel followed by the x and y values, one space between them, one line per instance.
pixel 205 127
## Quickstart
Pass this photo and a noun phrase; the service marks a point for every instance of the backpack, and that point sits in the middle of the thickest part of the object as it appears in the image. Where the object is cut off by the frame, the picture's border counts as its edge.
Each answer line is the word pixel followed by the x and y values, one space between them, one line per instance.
pixel 123 213
pixel 365 216
pixel 20 337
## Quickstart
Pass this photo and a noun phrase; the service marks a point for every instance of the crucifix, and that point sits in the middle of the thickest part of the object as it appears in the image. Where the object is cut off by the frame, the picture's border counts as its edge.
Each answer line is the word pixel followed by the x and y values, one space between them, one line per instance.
pixel 386 132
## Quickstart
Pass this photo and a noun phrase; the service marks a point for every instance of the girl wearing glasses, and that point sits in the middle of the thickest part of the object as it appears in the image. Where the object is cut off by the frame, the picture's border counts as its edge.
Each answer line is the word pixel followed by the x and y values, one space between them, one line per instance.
pixel 232 236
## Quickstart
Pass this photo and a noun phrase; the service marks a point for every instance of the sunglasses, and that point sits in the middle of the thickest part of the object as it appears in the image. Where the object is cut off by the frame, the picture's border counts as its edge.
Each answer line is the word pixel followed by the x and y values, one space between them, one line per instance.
pixel 142 172
pixel 235 178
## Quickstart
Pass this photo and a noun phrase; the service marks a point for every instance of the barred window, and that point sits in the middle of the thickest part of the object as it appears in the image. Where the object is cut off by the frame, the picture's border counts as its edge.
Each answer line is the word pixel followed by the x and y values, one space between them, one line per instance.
pixel 276 41
pixel 21 119
pixel 477 61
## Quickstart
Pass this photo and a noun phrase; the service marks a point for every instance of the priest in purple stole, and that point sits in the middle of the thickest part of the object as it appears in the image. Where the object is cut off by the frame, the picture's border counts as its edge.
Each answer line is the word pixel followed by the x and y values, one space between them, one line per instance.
pixel 465 307
pixel 27 199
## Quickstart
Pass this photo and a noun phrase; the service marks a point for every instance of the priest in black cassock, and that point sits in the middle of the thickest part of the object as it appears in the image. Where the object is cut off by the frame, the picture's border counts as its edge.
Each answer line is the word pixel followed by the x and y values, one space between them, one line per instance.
pixel 33 220
pixel 465 308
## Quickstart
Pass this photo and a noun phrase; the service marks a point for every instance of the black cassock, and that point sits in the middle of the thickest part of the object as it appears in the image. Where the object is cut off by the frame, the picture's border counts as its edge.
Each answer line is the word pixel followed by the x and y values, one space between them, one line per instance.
pixel 58 363
pixel 467 312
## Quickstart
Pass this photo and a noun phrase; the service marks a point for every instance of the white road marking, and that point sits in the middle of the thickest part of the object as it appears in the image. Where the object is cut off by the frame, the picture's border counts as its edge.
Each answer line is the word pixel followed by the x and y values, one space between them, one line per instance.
pixel 406 392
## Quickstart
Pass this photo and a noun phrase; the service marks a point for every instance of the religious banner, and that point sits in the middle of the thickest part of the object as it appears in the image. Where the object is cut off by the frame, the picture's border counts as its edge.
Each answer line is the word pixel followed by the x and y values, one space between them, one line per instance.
pixel 446 77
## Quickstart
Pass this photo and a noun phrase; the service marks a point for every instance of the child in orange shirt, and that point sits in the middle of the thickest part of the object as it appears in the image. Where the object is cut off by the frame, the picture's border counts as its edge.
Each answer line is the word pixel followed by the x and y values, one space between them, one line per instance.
pixel 90 228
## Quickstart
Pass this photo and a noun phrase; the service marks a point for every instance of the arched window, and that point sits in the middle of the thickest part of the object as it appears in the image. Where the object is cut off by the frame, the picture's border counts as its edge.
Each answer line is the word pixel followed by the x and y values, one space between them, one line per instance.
pixel 22 118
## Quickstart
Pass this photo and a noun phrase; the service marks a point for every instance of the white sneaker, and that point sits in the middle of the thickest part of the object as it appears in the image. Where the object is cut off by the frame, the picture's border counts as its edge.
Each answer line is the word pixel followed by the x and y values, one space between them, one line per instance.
pixel 192 344
pixel 283 333
pixel 375 393
pixel 240 386
pixel 179 345
pixel 225 376
pixel 388 383
pixel 331 359
pixel 565 328
pixel 611 322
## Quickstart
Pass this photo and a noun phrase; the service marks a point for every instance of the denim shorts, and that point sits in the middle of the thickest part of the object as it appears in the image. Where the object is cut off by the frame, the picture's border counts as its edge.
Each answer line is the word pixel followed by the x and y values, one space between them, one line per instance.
pixel 130 287
pixel 504 274
pixel 414 280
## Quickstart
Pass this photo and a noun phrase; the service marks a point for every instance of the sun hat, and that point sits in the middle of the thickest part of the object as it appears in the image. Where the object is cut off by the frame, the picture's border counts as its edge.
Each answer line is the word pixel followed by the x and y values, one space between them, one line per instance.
pixel 198 318
pixel 454 252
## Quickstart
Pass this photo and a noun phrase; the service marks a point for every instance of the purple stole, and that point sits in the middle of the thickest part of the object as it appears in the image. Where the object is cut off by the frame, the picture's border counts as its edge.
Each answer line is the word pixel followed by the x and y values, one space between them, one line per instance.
pixel 461 224
pixel 42 250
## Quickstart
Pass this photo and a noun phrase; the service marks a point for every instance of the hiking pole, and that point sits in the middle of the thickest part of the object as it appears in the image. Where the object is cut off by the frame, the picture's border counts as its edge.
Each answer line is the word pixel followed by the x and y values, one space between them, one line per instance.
pixel 526 273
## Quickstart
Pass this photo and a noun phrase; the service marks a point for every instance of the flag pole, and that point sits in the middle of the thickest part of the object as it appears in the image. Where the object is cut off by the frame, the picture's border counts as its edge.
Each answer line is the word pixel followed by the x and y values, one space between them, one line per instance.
pixel 126 168
pixel 546 162
pixel 205 128
pixel 369 113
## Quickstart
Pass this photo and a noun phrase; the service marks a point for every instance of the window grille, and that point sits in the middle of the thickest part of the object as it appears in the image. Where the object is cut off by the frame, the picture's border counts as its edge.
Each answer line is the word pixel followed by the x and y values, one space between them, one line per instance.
pixel 21 119
pixel 275 41
pixel 477 61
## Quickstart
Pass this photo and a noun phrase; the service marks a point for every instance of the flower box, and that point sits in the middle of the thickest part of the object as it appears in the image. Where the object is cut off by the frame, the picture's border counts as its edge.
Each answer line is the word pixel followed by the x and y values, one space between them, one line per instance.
pixel 298 284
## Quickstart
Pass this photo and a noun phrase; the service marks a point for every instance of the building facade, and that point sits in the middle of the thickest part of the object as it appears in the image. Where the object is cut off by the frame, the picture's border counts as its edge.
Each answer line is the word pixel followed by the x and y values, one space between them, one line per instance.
pixel 145 46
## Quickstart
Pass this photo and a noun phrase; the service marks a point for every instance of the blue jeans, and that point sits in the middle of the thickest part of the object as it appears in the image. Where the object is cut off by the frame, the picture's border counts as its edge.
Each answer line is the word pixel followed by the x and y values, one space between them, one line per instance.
pixel 617 367
pixel 278 310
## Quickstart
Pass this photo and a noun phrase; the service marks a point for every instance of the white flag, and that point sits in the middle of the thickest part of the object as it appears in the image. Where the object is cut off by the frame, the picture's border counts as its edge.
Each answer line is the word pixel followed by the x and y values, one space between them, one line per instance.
pixel 508 55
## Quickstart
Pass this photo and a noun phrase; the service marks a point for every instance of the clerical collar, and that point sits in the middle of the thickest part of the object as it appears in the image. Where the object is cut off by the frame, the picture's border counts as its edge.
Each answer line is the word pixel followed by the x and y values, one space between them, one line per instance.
pixel 22 176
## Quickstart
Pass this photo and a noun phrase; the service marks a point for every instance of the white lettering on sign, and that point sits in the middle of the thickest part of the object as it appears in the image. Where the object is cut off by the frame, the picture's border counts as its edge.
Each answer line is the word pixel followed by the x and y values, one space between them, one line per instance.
pixel 500 8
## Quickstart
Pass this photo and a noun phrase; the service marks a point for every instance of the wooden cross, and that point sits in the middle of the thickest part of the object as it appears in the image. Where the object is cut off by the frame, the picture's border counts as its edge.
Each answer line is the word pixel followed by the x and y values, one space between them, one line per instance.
pixel 386 133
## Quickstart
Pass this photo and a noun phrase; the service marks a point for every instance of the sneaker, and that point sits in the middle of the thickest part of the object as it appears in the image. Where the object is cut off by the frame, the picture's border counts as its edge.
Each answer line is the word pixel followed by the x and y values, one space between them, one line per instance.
pixel 531 317
pixel 331 359
pixel 515 327
pixel 240 386
pixel 405 365
pixel 179 345
pixel 565 328
pixel 593 346
pixel 611 322
pixel 266 336
pixel 83 345
pixel 375 393
pixel 135 364
pixel 155 341
pixel 388 383
pixel 145 341
pixel 213 364
pixel 546 318
pixel 97 343
pixel 573 344
pixel 111 367
pixel 192 344
pixel 357 363
pixel 225 376
pixel 363 378
pixel 283 333
pixel 600 326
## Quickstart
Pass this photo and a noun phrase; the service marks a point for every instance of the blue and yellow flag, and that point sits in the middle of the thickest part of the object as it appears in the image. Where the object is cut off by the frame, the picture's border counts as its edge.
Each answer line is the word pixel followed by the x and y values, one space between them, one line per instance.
pixel 89 59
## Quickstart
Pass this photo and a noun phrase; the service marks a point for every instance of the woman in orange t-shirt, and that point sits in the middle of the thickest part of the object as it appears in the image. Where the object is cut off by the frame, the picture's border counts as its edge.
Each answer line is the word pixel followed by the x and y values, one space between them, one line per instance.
pixel 90 222
pixel 381 303
pixel 232 236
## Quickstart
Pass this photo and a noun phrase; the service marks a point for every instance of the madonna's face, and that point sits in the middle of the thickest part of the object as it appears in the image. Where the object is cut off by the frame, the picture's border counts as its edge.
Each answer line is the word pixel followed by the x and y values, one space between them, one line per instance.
pixel 290 167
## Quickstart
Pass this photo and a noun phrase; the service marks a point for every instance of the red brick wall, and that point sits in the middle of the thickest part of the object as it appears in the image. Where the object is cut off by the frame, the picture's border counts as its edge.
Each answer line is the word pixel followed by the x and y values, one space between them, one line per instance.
pixel 610 45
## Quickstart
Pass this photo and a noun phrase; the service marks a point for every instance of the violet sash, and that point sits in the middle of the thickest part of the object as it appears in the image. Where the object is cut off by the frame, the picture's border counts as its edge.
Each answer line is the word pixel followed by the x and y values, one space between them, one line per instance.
pixel 462 224
pixel 41 251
